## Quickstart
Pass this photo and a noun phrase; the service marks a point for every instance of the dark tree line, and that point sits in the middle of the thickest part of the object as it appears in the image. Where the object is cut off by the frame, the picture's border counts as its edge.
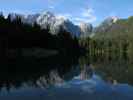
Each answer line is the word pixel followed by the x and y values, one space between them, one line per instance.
pixel 14 34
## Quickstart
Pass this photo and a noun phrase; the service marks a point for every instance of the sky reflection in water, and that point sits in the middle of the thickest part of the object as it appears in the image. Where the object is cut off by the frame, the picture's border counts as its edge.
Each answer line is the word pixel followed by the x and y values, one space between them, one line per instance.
pixel 93 88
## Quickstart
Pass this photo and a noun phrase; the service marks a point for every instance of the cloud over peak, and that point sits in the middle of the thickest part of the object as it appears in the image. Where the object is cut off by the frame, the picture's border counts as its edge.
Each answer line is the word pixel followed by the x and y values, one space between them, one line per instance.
pixel 86 15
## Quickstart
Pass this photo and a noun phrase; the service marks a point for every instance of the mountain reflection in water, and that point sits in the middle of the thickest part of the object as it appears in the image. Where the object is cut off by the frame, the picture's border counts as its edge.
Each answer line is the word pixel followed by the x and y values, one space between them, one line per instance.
pixel 67 79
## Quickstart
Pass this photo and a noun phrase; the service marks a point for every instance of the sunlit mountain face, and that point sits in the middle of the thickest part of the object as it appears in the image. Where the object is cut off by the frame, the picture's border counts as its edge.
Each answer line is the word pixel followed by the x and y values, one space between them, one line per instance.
pixel 47 19
pixel 55 23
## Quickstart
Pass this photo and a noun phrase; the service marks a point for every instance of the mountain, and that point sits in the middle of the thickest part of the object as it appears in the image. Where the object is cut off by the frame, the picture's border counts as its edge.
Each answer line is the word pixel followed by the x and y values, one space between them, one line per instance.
pixel 46 20
pixel 31 19
pixel 86 29
pixel 55 23
pixel 118 36
pixel 105 25
pixel 122 28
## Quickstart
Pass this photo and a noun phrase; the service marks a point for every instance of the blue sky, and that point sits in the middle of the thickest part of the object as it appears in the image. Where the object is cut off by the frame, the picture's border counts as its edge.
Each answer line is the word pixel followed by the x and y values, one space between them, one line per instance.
pixel 90 11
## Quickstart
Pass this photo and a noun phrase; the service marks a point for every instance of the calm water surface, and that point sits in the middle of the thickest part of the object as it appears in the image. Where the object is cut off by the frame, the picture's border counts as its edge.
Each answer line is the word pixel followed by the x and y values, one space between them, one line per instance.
pixel 60 78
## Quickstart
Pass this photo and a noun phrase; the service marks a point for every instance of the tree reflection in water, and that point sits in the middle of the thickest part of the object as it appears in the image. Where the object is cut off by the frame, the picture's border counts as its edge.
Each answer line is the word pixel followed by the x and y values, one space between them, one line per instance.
pixel 112 69
pixel 66 78
pixel 37 73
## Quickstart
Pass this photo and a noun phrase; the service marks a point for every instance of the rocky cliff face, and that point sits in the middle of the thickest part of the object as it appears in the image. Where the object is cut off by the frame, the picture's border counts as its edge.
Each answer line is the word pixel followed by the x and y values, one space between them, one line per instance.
pixel 104 26
pixel 55 23
pixel 86 29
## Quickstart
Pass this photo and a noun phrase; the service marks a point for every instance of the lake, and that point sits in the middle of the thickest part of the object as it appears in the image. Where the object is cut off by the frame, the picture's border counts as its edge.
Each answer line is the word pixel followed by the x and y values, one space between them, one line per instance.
pixel 67 78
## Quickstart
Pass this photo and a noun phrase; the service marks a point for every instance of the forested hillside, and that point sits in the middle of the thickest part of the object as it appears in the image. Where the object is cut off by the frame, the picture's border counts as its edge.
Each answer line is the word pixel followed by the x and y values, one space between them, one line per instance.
pixel 116 40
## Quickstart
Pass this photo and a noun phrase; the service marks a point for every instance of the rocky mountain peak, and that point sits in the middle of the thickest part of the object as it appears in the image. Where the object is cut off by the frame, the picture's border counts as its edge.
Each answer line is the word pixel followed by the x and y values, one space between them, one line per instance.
pixel 86 29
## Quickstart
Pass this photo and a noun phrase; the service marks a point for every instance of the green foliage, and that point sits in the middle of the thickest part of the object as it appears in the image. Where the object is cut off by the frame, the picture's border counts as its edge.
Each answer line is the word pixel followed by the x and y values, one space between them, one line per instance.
pixel 111 52
pixel 117 40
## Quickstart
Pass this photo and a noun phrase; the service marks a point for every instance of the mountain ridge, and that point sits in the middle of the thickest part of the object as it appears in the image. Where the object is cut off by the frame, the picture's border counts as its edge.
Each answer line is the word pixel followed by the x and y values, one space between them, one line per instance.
pixel 55 23
pixel 49 20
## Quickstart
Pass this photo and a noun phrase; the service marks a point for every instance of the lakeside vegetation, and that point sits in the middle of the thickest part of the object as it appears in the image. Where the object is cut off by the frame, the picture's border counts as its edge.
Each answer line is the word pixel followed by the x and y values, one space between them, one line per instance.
pixel 110 50
pixel 116 41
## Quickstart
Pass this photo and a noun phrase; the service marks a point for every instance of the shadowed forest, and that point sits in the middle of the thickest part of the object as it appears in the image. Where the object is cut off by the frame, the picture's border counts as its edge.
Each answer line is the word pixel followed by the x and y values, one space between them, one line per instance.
pixel 15 36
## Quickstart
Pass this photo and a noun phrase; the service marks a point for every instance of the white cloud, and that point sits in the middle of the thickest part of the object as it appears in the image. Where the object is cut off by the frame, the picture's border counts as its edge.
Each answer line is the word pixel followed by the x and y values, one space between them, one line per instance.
pixel 88 20
pixel 51 7
pixel 87 12
pixel 64 16
pixel 87 15
pixel 51 4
